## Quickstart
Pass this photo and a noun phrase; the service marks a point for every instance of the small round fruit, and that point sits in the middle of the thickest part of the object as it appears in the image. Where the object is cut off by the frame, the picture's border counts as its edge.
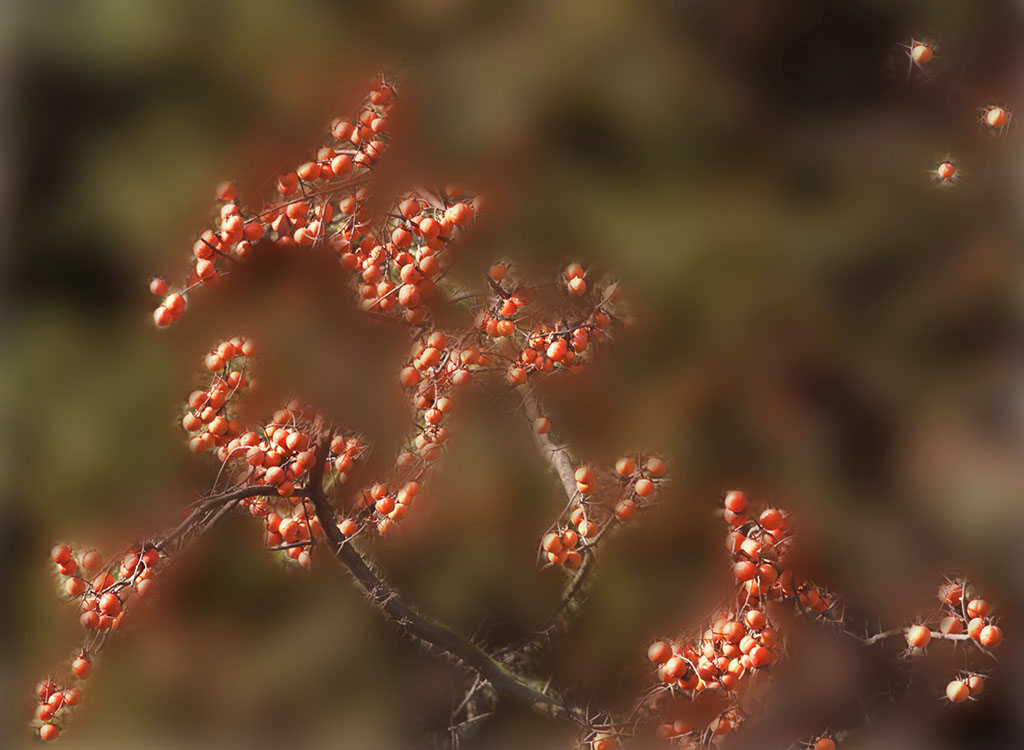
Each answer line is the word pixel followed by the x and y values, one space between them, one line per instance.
pixel 990 636
pixel 656 467
pixel 771 519
pixel 625 466
pixel 659 652
pixel 976 684
pixel 957 691
pixel 551 543
pixel 978 608
pixel 644 487
pixel 919 636
pixel 736 501
pixel 82 667
pixel 921 54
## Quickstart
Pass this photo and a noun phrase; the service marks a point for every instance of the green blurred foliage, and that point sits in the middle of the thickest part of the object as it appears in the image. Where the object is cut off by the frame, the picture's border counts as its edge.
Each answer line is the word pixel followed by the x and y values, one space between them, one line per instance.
pixel 817 322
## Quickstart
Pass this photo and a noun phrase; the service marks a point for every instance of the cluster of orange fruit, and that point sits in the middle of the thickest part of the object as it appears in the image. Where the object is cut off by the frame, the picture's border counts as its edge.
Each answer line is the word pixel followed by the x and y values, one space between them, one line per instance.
pixel 636 483
pixel 993 118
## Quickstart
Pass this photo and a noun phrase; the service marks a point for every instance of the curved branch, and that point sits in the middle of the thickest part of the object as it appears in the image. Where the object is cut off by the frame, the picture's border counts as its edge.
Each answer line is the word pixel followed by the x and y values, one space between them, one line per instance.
pixel 416 623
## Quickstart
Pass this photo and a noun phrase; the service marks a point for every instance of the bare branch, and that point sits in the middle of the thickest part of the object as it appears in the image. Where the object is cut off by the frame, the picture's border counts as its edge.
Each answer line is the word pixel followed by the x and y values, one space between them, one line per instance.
pixel 416 623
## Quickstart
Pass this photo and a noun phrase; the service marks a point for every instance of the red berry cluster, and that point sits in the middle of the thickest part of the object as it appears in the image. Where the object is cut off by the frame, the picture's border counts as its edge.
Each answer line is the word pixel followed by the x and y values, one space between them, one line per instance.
pixel 299 221
pixel 743 640
pixel 635 481
pixel 207 413
pixel 960 617
pixel 103 595
pixel 55 701
pixel 547 347
pixel 399 267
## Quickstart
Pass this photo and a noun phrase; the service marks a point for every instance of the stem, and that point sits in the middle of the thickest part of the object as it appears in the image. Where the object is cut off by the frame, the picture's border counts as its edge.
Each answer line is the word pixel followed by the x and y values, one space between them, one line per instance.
pixel 390 602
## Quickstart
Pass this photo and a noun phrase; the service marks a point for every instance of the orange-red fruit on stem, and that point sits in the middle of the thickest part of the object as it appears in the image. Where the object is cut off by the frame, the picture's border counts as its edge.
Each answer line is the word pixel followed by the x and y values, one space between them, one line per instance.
pixel 919 636
pixel 771 519
pixel 978 608
pixel 552 543
pixel 736 501
pixel 656 467
pixel 957 691
pixel 921 54
pixel 991 636
pixel 659 652
pixel 81 666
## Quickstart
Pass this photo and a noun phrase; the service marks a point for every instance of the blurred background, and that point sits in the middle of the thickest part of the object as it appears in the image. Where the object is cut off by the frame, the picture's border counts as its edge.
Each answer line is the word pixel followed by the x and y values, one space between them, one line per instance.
pixel 818 323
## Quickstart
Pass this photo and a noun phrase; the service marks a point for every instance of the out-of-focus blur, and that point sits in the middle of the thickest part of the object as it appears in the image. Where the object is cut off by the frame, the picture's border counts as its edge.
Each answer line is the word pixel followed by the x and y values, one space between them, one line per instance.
pixel 818 322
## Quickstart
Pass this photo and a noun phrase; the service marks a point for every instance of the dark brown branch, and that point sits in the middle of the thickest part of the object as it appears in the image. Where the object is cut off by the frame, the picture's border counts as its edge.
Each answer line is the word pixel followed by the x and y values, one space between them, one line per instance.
pixel 416 623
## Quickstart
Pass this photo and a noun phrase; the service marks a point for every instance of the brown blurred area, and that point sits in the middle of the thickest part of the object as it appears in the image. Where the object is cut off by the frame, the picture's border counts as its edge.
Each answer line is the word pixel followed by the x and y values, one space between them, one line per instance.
pixel 817 323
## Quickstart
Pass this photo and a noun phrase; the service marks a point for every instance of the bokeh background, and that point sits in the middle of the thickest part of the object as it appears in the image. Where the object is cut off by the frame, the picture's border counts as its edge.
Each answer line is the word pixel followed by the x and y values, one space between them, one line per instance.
pixel 818 323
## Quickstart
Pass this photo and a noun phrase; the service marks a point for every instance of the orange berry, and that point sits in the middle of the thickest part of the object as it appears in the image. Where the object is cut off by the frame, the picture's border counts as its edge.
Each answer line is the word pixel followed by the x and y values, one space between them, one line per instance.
pixel 162 316
pixel 656 467
pixel 990 636
pixel 957 691
pixel 110 604
pixel 978 608
pixel 625 509
pixel 226 191
pixel 585 475
pixel 659 652
pixel 771 519
pixel 974 627
pixel 760 657
pixel 976 684
pixel 644 487
pixel 625 466
pixel 81 666
pixel 996 117
pixel 736 501
pixel 951 593
pixel 551 543
pixel 921 54
pixel 919 636
pixel 951 626
pixel 744 570
pixel 91 560
pixel 755 619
